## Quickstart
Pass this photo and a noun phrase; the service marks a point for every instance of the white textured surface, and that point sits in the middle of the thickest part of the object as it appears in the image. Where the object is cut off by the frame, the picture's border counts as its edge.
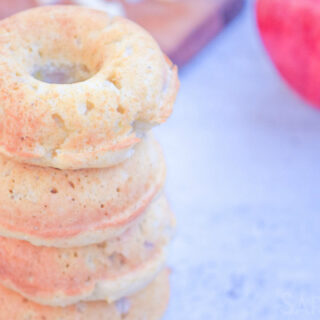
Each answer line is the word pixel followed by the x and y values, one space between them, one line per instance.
pixel 243 155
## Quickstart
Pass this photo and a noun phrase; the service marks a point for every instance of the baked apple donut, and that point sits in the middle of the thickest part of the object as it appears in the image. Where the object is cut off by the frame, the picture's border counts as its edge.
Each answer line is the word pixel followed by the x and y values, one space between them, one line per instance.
pixel 78 87
pixel 72 208
pixel 150 303
pixel 106 271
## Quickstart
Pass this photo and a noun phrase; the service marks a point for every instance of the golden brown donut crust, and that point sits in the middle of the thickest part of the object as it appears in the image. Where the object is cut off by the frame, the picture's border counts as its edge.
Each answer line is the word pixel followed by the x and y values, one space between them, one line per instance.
pixel 96 122
pixel 149 304
pixel 68 208
pixel 105 271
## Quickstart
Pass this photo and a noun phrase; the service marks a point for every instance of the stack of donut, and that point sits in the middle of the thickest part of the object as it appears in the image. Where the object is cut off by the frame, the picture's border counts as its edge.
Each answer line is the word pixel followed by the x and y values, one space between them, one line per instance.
pixel 84 223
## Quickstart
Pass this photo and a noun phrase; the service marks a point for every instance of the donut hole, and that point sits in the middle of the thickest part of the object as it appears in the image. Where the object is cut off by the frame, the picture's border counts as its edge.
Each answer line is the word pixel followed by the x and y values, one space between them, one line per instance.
pixel 62 73
pixel 63 57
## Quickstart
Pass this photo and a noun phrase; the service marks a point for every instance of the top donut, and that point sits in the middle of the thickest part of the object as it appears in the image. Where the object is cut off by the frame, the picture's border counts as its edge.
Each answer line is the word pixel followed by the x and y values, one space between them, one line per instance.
pixel 78 87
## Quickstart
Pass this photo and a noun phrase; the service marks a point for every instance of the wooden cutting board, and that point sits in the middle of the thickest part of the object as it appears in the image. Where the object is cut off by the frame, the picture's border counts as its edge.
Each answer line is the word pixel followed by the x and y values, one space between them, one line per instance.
pixel 182 27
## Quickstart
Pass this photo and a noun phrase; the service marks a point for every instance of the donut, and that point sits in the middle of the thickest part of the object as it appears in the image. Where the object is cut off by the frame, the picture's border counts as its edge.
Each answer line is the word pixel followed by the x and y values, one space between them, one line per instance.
pixel 150 304
pixel 79 88
pixel 71 208
pixel 104 271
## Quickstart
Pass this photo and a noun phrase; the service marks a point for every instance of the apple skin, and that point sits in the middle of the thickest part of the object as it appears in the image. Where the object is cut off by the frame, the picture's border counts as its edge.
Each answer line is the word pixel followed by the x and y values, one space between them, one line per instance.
pixel 290 30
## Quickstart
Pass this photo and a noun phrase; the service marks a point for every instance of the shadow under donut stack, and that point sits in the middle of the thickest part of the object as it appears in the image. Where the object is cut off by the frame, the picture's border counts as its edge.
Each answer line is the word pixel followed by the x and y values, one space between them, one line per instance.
pixel 84 223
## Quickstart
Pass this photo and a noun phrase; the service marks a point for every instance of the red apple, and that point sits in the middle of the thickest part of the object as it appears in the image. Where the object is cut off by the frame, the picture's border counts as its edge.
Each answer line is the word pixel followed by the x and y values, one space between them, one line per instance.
pixel 290 30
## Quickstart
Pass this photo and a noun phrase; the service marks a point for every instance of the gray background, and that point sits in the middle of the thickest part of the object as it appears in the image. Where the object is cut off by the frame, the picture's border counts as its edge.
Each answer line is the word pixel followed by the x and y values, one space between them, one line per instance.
pixel 243 179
